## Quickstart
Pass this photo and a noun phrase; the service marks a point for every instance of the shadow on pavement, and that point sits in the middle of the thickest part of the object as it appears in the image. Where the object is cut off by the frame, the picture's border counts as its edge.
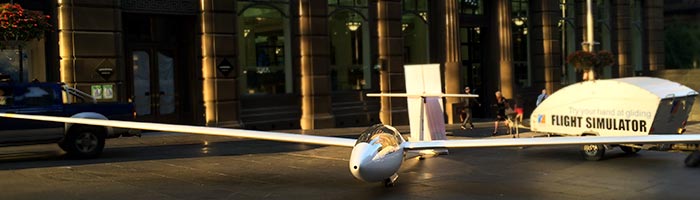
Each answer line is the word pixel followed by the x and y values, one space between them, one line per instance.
pixel 36 157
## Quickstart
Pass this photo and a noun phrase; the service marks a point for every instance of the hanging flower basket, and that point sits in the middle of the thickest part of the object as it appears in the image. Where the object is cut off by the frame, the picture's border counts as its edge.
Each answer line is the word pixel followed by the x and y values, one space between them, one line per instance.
pixel 604 59
pixel 582 60
pixel 589 62
pixel 17 25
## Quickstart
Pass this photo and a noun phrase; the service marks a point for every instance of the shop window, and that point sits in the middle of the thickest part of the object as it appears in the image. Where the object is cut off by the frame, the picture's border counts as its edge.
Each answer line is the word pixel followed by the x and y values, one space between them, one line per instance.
pixel 348 3
pixel 350 69
pixel 33 64
pixel 264 58
pixel 471 7
pixel 521 67
pixel 414 25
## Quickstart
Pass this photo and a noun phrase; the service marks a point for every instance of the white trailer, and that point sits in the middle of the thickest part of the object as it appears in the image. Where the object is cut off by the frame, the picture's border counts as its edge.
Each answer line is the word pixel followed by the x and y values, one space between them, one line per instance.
pixel 617 107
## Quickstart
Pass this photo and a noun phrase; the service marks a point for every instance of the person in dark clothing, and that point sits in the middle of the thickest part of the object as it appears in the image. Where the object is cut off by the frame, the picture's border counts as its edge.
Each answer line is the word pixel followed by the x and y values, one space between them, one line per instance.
pixel 501 105
pixel 467 104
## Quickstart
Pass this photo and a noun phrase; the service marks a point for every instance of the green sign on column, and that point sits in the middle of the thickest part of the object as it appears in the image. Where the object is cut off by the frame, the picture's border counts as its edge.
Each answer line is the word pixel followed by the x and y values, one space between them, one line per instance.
pixel 96 91
pixel 107 92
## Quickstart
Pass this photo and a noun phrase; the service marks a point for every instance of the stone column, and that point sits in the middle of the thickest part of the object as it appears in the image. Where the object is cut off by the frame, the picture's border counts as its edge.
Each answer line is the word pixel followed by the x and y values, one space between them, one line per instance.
pixel 653 48
pixel 391 74
pixel 220 92
pixel 545 47
pixel 622 39
pixel 452 62
pixel 315 63
pixel 505 47
pixel 90 37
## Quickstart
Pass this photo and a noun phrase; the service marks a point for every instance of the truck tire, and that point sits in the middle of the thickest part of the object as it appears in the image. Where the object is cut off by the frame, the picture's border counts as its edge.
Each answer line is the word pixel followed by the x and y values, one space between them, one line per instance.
pixel 84 142
pixel 693 159
pixel 629 150
pixel 593 152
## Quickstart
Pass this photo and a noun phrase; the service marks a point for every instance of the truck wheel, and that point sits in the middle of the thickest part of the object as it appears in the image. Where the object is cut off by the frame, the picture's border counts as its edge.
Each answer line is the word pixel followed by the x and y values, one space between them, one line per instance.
pixel 84 142
pixel 693 159
pixel 629 150
pixel 593 152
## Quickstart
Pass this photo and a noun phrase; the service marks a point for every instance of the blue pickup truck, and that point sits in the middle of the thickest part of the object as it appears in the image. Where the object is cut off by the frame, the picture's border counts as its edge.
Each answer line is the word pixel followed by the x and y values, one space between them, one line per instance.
pixel 56 99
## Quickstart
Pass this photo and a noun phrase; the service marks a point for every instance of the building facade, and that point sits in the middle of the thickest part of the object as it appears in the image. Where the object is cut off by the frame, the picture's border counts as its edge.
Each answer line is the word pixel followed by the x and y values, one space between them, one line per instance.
pixel 289 64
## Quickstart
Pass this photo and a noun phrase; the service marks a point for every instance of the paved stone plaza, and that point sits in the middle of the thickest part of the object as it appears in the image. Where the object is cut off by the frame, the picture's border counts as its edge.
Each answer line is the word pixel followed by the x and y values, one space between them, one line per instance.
pixel 178 166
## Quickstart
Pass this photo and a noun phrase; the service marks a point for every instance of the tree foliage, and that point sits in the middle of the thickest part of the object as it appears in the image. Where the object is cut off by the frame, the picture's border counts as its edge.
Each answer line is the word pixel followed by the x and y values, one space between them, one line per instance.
pixel 682 45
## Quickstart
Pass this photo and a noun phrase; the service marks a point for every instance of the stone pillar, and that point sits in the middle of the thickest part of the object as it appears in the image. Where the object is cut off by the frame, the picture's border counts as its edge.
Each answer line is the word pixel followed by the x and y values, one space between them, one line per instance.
pixel 545 47
pixel 580 10
pixel 315 63
pixel 220 92
pixel 449 26
pixel 505 47
pixel 90 37
pixel 622 39
pixel 653 48
pixel 391 76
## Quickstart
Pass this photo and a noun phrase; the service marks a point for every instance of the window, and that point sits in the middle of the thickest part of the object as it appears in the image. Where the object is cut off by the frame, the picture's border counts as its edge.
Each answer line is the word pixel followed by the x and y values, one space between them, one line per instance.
pixel 567 34
pixel 520 43
pixel 348 3
pixel 32 66
pixel 414 25
pixel 264 50
pixel 349 51
pixel 35 96
pixel 471 7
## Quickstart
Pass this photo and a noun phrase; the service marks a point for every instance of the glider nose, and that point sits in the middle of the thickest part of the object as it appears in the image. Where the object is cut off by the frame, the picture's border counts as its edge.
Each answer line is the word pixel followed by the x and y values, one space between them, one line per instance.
pixel 357 158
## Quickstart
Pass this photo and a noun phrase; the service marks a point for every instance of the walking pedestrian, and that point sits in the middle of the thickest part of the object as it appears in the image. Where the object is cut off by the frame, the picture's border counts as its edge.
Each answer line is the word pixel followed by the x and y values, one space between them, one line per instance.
pixel 467 104
pixel 501 104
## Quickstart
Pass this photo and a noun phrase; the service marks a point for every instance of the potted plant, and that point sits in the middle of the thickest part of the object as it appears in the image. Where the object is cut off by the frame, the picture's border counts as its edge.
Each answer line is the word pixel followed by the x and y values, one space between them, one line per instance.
pixel 589 62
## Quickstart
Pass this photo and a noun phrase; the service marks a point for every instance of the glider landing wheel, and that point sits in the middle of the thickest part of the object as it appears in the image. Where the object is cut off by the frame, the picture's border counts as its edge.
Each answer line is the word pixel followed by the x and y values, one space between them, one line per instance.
pixel 391 181
pixel 593 152
pixel 629 150
pixel 693 159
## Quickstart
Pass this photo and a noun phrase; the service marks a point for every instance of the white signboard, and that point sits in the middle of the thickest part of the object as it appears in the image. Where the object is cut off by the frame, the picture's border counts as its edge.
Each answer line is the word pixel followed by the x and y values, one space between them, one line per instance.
pixel 425 79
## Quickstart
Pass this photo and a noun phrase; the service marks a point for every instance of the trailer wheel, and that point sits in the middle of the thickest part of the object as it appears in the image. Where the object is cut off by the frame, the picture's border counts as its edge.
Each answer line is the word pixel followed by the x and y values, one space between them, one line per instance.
pixel 629 150
pixel 593 152
pixel 693 159
pixel 84 142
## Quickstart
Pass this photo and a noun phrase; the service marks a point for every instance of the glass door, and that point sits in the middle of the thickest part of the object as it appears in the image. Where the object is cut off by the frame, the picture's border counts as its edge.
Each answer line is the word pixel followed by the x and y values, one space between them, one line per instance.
pixel 154 93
